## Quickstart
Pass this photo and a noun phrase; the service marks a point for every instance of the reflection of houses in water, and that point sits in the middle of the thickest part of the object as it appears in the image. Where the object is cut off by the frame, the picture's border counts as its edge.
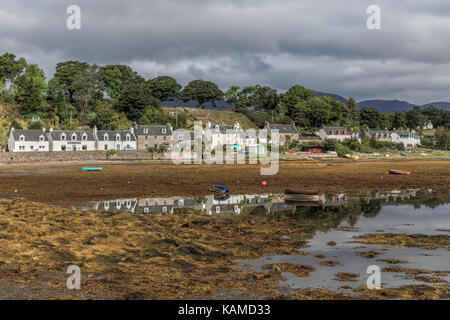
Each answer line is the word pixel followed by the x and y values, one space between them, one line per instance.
pixel 395 195
pixel 336 200
pixel 164 205
pixel 117 205
pixel 233 203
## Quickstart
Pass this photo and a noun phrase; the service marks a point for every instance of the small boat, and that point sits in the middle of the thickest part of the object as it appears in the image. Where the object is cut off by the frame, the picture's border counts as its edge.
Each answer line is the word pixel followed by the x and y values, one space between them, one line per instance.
pixel 302 195
pixel 91 169
pixel 349 156
pixel 219 189
pixel 407 173
pixel 404 154
pixel 290 152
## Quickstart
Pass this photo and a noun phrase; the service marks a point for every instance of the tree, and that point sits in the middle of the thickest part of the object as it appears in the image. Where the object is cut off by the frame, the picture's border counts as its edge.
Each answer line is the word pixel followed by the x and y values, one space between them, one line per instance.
pixel 201 91
pixel 10 68
pixel 103 116
pixel 134 100
pixel 400 120
pixel 353 109
pixel 164 87
pixel 31 88
pixel 370 117
pixel 67 72
pixel 415 118
pixel 442 137
pixel 117 77
pixel 87 88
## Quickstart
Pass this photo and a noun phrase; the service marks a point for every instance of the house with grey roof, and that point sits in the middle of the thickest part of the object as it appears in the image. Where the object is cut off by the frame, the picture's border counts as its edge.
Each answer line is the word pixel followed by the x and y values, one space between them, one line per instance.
pixel 336 133
pixel 285 132
pixel 380 135
pixel 410 139
pixel 153 136
pixel 115 139
pixel 28 140
pixel 65 140
pixel 223 135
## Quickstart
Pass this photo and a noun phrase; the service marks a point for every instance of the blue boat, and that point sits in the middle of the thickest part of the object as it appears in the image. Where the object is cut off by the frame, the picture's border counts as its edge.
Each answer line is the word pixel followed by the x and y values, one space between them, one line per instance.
pixel 220 189
pixel 91 169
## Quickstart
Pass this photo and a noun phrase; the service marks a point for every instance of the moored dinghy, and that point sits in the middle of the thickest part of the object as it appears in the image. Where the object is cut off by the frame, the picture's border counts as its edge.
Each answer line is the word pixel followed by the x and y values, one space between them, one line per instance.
pixel 92 169
pixel 407 173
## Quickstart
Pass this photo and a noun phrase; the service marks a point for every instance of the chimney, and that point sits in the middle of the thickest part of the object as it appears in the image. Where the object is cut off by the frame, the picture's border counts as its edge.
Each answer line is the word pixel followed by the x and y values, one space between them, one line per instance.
pixel 95 130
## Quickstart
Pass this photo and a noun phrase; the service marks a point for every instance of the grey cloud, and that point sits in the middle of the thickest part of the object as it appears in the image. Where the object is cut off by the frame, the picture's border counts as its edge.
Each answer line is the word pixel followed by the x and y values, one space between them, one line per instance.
pixel 324 44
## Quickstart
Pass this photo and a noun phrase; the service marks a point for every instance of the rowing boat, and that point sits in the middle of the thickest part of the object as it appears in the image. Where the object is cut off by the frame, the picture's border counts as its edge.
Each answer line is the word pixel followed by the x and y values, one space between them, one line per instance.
pixel 302 195
pixel 91 169
pixel 407 173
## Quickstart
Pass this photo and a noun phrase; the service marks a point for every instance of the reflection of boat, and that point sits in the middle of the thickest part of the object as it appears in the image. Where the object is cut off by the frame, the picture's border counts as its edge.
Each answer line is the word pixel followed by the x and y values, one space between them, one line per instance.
pixel 302 195
pixel 221 198
pixel 399 172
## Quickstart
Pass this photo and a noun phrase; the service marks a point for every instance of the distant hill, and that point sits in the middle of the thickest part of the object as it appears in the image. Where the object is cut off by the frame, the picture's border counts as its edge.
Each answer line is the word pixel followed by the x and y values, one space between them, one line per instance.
pixel 387 105
pixel 380 105
pixel 335 96
pixel 440 105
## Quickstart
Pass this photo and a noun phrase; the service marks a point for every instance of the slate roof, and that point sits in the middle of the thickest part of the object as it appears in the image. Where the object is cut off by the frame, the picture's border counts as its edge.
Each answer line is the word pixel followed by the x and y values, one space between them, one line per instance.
pixel 112 135
pixel 154 130
pixel 283 128
pixel 328 130
pixel 56 135
pixel 30 135
pixel 306 136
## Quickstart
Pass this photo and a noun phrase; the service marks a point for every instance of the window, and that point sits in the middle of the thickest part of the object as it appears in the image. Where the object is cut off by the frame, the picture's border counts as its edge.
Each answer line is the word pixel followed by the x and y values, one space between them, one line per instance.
pixel 145 210
pixel 105 137
pixel 84 138
pixel 106 147
pixel 31 147
pixel 63 148
pixel 84 147
pixel 74 137
pixel 165 138
pixel 22 138
pixel 21 147
pixel 164 209
pixel 163 130
pixel 146 138
pixel 117 137
pixel 145 130
pixel 63 137
pixel 41 138
pixel 128 138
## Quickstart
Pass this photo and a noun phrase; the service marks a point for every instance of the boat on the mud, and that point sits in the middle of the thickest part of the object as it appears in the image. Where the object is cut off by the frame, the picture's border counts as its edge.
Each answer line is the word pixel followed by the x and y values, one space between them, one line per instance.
pixel 302 195
pixel 349 156
pixel 91 169
pixel 219 188
pixel 407 173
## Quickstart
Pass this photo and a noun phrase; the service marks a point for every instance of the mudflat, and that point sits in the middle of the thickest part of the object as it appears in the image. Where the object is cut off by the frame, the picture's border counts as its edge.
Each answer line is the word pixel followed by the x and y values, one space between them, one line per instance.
pixel 67 184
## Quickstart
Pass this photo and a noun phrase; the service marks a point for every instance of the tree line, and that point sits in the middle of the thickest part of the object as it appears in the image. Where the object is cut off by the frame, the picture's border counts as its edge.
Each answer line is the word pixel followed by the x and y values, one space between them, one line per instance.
pixel 113 96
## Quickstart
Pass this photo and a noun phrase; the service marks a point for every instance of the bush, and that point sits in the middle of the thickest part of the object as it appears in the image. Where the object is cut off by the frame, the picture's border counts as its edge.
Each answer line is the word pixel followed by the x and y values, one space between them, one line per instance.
pixel 110 153
pixel 342 150
pixel 330 144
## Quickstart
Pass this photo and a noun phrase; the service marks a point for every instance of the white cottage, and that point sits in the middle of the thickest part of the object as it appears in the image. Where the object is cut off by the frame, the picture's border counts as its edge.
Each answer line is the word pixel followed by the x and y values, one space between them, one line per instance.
pixel 115 139
pixel 72 140
pixel 408 138
pixel 28 140
pixel 225 134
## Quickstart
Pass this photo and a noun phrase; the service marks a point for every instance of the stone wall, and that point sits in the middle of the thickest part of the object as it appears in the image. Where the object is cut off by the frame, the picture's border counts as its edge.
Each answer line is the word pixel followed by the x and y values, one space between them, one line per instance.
pixel 79 156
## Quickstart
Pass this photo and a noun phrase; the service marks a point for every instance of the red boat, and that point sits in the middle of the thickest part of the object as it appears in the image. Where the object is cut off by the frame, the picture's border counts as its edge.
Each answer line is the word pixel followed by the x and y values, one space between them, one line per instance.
pixel 407 173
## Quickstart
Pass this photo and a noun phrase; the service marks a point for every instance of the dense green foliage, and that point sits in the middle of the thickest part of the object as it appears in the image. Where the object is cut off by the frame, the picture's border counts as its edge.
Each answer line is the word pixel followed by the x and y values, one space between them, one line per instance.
pixel 114 96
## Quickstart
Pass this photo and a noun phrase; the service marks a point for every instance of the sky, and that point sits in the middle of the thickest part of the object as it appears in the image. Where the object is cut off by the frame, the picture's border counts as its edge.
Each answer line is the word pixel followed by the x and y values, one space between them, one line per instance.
pixel 324 45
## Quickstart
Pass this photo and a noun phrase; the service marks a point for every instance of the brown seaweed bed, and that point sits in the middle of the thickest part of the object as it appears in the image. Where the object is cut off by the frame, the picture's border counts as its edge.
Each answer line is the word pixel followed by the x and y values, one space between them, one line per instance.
pixel 124 255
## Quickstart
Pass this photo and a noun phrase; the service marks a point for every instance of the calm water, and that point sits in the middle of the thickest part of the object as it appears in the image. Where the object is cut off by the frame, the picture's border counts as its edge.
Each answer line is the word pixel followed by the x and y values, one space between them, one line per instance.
pixel 335 217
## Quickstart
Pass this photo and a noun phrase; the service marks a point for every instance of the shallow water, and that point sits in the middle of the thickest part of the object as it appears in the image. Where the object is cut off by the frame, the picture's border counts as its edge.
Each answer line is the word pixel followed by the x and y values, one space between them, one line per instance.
pixel 336 217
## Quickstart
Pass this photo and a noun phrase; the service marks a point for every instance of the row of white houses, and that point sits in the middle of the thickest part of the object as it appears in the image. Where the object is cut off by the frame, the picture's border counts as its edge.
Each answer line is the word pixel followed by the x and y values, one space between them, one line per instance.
pixel 64 140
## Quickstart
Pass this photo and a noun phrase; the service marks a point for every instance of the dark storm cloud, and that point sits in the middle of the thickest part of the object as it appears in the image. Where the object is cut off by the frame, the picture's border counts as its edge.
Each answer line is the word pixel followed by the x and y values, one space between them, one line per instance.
pixel 321 44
